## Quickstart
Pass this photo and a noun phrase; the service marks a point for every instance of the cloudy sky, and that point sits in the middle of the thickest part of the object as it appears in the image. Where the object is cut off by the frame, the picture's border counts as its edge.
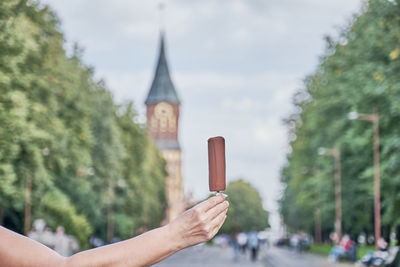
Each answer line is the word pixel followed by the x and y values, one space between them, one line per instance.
pixel 235 64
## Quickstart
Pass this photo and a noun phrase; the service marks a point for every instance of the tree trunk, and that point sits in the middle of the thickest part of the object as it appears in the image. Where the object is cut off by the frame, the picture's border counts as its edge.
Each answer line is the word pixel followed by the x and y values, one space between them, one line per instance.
pixel 1 215
pixel 110 224
pixel 27 216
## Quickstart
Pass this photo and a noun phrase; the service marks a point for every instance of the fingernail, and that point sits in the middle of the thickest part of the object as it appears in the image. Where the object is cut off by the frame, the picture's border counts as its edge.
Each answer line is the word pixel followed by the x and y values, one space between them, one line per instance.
pixel 221 194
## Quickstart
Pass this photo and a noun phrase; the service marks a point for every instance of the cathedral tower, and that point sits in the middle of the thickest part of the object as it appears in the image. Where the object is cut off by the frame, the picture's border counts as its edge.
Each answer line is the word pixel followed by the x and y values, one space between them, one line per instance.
pixel 162 111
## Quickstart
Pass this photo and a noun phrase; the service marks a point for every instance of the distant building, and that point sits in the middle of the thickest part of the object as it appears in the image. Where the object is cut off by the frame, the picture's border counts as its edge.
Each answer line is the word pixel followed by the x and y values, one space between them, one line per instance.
pixel 162 111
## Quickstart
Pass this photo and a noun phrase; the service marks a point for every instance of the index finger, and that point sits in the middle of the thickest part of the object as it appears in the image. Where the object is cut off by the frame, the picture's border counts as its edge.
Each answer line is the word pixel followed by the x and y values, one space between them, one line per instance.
pixel 210 203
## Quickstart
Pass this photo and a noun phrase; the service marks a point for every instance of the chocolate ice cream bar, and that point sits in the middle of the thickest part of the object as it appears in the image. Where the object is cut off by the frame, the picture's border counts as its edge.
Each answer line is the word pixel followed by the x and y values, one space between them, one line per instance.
pixel 216 163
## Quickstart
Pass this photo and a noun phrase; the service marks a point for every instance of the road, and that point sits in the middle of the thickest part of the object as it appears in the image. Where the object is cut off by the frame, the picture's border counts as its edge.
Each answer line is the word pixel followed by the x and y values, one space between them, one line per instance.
pixel 275 257
pixel 206 256
pixel 223 257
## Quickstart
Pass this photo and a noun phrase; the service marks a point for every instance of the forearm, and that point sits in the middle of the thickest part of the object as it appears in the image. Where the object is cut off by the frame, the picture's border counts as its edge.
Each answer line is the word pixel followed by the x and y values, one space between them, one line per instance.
pixel 17 250
pixel 143 250
pixel 194 226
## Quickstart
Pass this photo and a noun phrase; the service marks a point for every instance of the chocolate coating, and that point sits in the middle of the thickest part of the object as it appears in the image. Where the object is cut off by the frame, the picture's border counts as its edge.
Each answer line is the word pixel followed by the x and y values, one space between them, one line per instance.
pixel 216 163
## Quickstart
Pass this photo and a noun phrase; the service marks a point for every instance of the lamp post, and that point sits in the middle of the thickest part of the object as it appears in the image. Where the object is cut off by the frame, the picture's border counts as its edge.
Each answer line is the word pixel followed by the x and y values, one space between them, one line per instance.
pixel 335 152
pixel 374 118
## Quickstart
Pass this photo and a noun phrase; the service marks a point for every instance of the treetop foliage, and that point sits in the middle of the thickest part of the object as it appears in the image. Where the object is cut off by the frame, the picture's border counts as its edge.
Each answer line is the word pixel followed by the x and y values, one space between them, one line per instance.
pixel 358 72
pixel 62 128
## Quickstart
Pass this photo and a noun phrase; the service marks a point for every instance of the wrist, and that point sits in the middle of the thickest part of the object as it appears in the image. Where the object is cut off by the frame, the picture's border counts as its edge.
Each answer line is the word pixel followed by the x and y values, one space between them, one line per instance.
pixel 175 238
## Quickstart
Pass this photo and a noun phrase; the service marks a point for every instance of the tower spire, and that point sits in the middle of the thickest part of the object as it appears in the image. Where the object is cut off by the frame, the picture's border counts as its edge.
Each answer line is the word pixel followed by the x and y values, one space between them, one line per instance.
pixel 161 9
pixel 162 87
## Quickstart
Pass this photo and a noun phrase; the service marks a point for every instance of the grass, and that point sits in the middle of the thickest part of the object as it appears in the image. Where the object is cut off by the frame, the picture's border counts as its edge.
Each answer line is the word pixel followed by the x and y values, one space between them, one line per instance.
pixel 324 249
pixel 361 251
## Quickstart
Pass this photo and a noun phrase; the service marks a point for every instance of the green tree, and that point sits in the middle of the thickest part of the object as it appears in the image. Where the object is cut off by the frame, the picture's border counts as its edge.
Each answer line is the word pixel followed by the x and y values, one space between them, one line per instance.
pixel 246 212
pixel 358 72
pixel 90 164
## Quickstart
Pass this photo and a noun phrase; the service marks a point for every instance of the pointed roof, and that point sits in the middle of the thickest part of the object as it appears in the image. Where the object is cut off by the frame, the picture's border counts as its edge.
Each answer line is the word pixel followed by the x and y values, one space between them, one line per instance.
pixel 162 88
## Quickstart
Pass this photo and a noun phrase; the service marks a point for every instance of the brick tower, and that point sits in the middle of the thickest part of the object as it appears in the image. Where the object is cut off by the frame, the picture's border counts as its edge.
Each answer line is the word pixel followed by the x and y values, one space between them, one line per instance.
pixel 162 111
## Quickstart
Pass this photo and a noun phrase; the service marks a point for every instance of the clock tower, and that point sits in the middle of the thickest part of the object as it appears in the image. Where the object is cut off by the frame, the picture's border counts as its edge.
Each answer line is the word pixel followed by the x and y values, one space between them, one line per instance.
pixel 162 112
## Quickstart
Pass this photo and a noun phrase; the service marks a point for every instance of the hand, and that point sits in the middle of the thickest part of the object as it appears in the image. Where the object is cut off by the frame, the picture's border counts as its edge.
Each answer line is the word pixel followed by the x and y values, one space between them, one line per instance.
pixel 200 223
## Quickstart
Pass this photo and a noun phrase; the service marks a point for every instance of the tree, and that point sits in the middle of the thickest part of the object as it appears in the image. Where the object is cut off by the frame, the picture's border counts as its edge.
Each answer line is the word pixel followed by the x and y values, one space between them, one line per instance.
pixel 358 72
pixel 64 140
pixel 246 212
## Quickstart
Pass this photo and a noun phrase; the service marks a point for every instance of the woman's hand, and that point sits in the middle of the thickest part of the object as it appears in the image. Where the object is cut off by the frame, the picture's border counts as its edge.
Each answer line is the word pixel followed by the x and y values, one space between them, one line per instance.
pixel 200 223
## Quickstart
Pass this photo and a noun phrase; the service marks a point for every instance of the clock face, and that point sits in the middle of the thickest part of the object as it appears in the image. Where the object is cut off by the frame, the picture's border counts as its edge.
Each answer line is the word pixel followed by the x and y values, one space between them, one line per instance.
pixel 164 116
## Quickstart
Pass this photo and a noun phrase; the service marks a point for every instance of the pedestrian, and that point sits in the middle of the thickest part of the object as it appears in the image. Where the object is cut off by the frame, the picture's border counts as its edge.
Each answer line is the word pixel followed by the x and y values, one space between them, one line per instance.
pixel 294 242
pixel 304 243
pixel 235 246
pixel 196 225
pixel 374 258
pixel 48 238
pixel 42 234
pixel 253 244
pixel 342 249
pixel 62 243
pixel 242 241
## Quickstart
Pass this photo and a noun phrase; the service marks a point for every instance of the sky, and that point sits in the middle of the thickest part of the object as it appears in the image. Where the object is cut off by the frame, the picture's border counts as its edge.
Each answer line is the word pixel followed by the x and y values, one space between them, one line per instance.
pixel 235 64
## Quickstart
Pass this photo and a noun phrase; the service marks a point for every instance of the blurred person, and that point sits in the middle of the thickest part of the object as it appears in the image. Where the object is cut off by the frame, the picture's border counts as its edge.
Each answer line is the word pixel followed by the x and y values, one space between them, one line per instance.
pixel 225 239
pixel 222 240
pixel 242 242
pixel 62 243
pixel 73 244
pixel 362 239
pixel 334 238
pixel 196 225
pixel 41 233
pixel 381 255
pixel 340 250
pixel 235 246
pixel 294 242
pixel 382 244
pixel 33 234
pixel 304 243
pixel 96 242
pixel 37 230
pixel 48 238
pixel 253 244
pixel 371 240
pixel 263 239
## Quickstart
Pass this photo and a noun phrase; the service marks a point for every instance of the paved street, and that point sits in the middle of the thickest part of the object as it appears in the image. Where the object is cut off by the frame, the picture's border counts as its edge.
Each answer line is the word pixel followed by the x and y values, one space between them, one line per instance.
pixel 218 257
pixel 285 258
pixel 207 256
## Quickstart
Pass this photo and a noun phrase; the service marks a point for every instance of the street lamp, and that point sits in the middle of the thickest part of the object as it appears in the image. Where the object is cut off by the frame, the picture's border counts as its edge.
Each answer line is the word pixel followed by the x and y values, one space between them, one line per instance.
pixel 335 152
pixel 374 118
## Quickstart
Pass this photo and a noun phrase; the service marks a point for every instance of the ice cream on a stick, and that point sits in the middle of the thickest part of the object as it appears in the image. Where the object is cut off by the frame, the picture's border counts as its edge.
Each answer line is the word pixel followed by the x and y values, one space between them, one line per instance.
pixel 216 163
